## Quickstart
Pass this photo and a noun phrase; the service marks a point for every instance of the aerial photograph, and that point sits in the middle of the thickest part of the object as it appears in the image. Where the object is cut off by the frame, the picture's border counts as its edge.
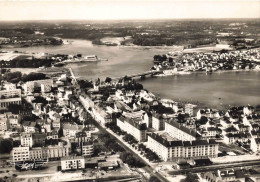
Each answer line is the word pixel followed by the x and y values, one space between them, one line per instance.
pixel 130 90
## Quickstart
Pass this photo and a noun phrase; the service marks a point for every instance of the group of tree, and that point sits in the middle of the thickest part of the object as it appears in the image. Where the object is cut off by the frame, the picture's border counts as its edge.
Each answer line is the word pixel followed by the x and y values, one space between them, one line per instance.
pixel 149 154
pixel 159 58
pixel 131 160
pixel 15 77
pixel 84 84
pixel 112 125
pixel 161 109
pixel 154 179
pixel 16 108
pixel 190 177
pixel 130 139
pixel 6 145
pixel 111 143
pixel 29 63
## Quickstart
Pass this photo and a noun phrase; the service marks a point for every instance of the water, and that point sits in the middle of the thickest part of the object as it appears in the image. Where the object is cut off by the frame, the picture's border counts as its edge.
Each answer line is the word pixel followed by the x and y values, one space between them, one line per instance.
pixel 235 88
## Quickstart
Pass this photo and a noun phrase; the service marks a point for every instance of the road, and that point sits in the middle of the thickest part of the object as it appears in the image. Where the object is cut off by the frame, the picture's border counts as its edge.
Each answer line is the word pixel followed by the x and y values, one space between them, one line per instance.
pixel 148 168
pixel 217 167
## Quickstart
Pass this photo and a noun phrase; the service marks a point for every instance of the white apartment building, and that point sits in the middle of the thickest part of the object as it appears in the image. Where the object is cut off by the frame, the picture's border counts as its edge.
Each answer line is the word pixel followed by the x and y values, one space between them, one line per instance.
pixel 50 152
pixel 20 154
pixel 4 124
pixel 188 109
pixel 9 97
pixel 26 140
pixel 135 128
pixel 31 85
pixel 174 150
pixel 158 122
pixel 175 130
pixel 87 149
pixel 74 162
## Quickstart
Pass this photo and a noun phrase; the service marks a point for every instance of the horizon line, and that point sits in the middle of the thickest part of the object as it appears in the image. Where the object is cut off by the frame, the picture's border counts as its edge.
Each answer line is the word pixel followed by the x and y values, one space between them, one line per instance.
pixel 144 19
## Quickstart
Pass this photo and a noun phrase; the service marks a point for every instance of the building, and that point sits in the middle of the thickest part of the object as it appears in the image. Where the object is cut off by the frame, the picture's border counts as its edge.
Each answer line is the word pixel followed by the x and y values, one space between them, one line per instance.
pixel 175 130
pixel 36 153
pixel 70 130
pixel 4 124
pixel 135 128
pixel 26 140
pixel 158 122
pixel 52 135
pixel 174 150
pixel 56 151
pixel 82 137
pixel 14 119
pixel 44 85
pixel 29 127
pixel 87 148
pixel 8 97
pixel 39 139
pixel 188 109
pixel 225 175
pixel 20 154
pixel 74 162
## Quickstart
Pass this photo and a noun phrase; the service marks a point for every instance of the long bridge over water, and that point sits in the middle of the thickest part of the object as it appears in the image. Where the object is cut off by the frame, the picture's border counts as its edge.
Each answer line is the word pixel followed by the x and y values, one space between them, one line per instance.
pixel 142 75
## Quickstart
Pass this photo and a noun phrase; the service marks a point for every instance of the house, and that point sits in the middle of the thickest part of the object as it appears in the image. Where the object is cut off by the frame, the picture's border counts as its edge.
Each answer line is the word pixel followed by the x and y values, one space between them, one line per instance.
pixel 70 130
pixel 29 127
pixel 72 162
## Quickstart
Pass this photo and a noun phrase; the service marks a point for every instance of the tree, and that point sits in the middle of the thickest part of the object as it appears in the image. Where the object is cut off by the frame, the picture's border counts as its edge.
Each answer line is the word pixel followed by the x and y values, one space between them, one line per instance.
pixel 153 179
pixel 191 178
pixel 108 80
pixel 6 145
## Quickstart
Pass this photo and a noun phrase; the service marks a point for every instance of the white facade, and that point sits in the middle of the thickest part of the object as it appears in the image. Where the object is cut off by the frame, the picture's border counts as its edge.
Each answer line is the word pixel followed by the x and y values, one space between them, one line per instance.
pixel 174 150
pixel 20 154
pixel 26 140
pixel 179 132
pixel 10 97
pixel 68 163
pixel 132 129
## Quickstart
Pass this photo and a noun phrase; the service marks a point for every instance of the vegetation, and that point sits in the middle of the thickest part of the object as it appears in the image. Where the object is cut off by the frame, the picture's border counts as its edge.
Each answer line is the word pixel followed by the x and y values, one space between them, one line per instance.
pixel 154 179
pixel 191 178
pixel 6 145
pixel 15 77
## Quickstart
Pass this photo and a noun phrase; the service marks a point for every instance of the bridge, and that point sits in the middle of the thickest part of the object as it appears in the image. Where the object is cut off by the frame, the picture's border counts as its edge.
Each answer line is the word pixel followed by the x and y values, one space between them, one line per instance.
pixel 142 75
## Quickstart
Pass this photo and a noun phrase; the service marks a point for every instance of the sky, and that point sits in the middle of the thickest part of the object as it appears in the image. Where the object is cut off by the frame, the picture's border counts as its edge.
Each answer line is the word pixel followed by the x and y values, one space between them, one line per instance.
pixel 127 9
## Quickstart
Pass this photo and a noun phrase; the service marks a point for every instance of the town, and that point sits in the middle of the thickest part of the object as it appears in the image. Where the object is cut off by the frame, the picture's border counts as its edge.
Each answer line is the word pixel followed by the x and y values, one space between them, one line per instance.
pixel 208 61
pixel 115 129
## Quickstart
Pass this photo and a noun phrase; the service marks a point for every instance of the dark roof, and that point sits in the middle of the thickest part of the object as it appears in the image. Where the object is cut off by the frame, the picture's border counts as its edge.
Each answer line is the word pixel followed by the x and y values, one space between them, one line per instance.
pixel 257 140
pixel 166 143
pixel 139 126
pixel 182 128
pixel 39 136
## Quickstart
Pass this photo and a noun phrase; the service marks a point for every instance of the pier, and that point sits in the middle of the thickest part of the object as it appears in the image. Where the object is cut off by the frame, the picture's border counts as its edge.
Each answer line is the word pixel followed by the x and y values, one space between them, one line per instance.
pixel 73 76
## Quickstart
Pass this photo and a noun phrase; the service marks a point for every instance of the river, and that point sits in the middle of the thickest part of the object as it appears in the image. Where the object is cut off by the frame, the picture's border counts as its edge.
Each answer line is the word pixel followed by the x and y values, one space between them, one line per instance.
pixel 234 88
